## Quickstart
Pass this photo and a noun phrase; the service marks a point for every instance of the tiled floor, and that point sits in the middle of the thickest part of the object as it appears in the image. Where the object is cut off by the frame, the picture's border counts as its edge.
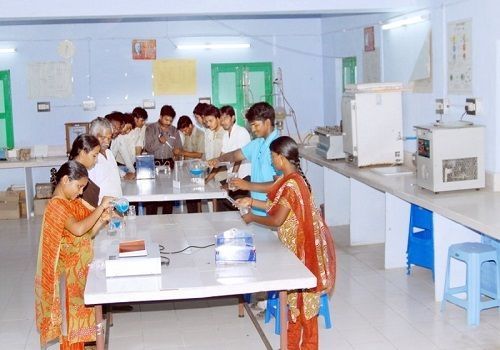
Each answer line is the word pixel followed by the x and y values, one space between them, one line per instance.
pixel 371 308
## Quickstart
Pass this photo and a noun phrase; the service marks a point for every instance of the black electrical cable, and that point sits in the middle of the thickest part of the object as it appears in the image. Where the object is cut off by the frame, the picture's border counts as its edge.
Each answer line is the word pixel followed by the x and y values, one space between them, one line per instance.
pixel 162 248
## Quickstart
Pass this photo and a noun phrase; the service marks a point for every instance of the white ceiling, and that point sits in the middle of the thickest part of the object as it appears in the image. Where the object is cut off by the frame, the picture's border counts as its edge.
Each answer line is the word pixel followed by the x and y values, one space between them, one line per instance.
pixel 16 11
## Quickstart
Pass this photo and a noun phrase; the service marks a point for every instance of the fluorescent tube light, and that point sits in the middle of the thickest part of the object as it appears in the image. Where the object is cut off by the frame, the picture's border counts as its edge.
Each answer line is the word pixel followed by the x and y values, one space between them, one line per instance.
pixel 212 46
pixel 7 50
pixel 404 22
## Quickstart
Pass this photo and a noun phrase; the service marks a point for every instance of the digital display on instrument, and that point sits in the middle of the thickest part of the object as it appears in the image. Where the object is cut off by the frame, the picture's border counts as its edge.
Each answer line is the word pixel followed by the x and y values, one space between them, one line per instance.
pixel 424 148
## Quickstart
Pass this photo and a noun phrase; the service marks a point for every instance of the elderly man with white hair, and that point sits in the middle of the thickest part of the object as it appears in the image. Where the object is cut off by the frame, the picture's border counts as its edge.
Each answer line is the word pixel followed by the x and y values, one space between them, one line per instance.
pixel 105 173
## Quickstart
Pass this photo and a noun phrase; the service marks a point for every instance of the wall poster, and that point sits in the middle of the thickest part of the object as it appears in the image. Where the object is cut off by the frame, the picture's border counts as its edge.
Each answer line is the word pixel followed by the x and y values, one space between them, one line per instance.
pixel 369 39
pixel 144 49
pixel 460 57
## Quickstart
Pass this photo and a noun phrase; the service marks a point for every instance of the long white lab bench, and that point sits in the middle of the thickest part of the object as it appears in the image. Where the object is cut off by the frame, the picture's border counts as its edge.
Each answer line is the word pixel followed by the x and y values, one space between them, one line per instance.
pixel 377 208
pixel 28 166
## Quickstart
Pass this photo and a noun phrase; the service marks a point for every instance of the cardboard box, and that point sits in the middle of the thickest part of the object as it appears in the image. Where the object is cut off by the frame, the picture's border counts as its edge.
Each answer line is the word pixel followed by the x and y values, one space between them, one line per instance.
pixel 43 190
pixel 23 210
pixel 19 189
pixel 9 205
pixel 39 206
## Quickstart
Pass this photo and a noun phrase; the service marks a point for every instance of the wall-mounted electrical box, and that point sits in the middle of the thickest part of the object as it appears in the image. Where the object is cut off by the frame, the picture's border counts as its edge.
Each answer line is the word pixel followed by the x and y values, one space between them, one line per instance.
pixel 472 106
pixel 43 106
pixel 88 105
pixel 148 104
pixel 442 105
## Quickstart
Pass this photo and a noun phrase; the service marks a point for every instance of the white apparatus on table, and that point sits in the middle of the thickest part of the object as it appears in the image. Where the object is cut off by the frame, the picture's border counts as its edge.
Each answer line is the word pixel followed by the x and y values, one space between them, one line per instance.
pixel 330 142
pixel 450 156
pixel 372 121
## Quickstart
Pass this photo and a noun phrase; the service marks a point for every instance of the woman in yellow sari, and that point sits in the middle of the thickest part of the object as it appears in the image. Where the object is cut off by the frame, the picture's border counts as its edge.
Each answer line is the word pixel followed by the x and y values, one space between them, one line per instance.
pixel 64 254
pixel 291 209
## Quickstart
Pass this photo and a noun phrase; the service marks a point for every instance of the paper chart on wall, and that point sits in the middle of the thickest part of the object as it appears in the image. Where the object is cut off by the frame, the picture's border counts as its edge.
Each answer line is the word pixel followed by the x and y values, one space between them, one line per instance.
pixel 49 79
pixel 460 56
pixel 174 77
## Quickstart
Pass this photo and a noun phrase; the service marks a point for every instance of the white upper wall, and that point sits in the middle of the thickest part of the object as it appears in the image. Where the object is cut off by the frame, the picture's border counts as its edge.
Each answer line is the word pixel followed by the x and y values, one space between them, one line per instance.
pixel 343 37
pixel 102 67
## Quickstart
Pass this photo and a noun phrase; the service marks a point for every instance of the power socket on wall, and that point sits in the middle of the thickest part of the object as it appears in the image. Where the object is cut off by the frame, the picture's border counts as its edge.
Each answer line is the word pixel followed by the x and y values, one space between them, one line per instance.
pixel 442 105
pixel 472 106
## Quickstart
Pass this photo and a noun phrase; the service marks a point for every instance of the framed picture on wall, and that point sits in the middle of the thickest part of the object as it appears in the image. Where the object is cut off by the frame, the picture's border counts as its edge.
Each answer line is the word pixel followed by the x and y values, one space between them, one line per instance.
pixel 369 38
pixel 144 49
pixel 73 130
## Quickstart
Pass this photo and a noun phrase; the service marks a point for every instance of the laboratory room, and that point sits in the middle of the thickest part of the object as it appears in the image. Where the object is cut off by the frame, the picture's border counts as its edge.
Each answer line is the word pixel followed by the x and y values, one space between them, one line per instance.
pixel 264 175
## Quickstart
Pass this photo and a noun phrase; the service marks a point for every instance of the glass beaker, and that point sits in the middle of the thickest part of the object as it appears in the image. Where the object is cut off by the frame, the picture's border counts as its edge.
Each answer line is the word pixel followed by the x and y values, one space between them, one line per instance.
pixel 121 205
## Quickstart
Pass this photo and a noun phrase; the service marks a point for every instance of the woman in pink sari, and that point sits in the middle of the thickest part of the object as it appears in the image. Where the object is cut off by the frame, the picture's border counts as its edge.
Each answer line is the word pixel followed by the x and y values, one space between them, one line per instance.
pixel 301 229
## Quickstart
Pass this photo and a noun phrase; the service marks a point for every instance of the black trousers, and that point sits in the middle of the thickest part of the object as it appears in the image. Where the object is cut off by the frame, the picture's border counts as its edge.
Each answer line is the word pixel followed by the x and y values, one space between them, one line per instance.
pixel 152 208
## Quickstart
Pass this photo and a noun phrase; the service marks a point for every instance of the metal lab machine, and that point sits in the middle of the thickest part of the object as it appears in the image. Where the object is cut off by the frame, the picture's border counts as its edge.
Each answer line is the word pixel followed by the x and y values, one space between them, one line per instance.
pixel 330 142
pixel 450 156
pixel 372 121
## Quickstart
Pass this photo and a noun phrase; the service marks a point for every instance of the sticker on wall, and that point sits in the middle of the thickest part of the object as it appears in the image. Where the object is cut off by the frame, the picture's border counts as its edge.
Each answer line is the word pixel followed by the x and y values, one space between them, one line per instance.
pixel 144 49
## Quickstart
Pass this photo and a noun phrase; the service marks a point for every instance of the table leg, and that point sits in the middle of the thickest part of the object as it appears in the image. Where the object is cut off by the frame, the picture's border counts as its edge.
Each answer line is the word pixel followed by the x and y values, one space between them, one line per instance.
pixel 241 308
pixel 214 204
pixel 283 320
pixel 100 333
pixel 140 209
pixel 28 181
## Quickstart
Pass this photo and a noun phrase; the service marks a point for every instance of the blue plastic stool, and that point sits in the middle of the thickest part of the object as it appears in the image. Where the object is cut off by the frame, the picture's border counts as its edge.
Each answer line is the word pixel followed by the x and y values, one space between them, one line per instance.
pixel 473 255
pixel 420 249
pixel 324 310
pixel 247 298
pixel 273 309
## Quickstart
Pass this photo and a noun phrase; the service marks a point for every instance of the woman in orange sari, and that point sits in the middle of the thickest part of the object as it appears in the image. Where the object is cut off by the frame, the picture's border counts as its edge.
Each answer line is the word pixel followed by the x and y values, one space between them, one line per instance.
pixel 64 254
pixel 301 229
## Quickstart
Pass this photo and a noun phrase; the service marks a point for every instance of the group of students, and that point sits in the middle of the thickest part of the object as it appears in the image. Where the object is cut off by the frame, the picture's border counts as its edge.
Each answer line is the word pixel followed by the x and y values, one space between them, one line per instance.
pixel 280 197
pixel 213 132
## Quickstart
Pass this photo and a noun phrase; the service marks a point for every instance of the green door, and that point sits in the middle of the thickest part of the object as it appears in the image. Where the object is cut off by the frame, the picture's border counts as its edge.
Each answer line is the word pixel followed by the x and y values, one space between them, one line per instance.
pixel 242 84
pixel 349 71
pixel 6 127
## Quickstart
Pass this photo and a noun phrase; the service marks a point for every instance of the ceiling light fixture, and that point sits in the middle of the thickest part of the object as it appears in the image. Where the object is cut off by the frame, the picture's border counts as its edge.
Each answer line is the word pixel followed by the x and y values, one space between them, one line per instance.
pixel 212 46
pixel 404 22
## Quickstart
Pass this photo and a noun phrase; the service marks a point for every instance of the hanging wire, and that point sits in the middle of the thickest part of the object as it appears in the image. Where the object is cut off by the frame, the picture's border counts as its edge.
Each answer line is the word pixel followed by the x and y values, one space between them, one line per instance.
pixel 292 112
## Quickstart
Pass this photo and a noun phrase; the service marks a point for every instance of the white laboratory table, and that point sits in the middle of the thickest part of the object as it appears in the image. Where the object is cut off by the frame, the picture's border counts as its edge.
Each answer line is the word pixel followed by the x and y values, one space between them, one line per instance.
pixel 161 189
pixel 377 207
pixel 28 165
pixel 194 274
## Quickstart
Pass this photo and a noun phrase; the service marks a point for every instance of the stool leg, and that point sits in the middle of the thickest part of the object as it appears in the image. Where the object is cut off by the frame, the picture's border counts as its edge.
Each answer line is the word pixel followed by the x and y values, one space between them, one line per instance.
pixel 324 310
pixel 446 284
pixel 473 292
pixel 498 281
pixel 277 324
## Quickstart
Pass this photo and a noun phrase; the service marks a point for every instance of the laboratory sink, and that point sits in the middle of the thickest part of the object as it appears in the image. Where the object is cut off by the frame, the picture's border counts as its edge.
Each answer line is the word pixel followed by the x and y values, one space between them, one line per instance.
pixel 393 170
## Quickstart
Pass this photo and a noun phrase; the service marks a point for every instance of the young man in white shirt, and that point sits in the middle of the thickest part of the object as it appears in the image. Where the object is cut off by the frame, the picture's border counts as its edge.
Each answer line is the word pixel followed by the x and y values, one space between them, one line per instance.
pixel 198 113
pixel 139 132
pixel 236 137
pixel 213 140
